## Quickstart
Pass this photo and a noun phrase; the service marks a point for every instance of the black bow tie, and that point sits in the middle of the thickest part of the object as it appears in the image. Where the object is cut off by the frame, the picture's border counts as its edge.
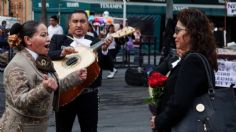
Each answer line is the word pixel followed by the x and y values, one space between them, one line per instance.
pixel 44 64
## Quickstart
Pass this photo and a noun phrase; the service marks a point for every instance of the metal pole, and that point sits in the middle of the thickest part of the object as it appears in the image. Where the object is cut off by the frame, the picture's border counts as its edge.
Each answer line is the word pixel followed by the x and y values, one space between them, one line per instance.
pixel 225 21
pixel 9 8
pixel 59 11
pixel 124 13
pixel 169 10
pixel 16 11
pixel 24 12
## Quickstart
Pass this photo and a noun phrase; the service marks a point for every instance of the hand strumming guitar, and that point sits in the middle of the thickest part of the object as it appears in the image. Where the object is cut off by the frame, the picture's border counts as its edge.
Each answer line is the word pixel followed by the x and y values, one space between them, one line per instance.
pixel 68 50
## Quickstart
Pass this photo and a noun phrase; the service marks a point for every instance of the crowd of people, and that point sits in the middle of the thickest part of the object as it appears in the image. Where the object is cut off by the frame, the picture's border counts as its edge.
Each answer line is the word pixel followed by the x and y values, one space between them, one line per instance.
pixel 33 87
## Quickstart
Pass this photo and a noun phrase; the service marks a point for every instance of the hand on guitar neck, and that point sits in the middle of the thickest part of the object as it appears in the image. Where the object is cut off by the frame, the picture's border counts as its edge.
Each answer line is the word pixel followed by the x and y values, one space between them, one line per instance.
pixel 120 33
pixel 106 43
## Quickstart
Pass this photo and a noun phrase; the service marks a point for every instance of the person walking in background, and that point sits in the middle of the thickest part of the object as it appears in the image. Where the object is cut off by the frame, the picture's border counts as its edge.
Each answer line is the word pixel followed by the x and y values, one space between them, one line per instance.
pixel 188 79
pixel 30 82
pixel 137 41
pixel 4 47
pixel 137 37
pixel 112 52
pixel 3 31
pixel 85 105
pixel 54 27
pixel 3 36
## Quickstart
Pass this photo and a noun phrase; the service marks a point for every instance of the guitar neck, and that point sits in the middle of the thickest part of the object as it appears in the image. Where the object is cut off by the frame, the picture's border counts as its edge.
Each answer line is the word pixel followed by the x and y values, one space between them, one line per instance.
pixel 120 33
pixel 97 45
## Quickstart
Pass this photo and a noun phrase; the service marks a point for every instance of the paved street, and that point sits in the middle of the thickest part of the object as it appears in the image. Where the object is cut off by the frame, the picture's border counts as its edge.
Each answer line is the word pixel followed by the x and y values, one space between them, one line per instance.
pixel 121 107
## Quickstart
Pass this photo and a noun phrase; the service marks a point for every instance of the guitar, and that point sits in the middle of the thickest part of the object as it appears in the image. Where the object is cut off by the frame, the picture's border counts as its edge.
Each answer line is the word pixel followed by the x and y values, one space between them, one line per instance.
pixel 84 58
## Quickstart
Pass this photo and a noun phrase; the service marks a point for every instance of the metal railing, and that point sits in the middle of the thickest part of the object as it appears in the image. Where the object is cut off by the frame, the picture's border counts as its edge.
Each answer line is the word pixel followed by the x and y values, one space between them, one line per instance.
pixel 146 54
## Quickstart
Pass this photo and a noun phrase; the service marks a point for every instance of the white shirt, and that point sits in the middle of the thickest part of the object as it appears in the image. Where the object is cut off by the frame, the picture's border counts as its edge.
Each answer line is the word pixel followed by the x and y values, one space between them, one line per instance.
pixel 81 41
pixel 175 62
pixel 34 54
pixel 54 30
pixel 84 42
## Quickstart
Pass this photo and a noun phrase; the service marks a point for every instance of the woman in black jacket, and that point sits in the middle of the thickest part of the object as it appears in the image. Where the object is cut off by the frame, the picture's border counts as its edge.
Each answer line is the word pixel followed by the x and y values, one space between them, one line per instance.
pixel 187 80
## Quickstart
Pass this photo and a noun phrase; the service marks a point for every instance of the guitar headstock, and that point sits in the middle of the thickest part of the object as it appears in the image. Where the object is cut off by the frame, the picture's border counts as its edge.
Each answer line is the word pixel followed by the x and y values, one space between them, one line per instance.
pixel 123 32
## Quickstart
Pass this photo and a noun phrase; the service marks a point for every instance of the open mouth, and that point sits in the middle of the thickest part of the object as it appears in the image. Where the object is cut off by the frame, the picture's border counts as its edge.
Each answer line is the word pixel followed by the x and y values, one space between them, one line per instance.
pixel 46 46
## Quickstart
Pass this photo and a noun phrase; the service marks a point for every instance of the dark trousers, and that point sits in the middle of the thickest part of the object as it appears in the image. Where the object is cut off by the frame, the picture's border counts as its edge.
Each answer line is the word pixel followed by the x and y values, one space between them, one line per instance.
pixel 85 107
pixel 112 56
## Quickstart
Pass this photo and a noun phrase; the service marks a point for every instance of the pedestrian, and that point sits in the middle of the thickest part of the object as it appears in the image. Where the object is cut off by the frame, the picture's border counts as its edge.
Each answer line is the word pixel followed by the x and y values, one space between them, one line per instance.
pixel 3 39
pixel 188 79
pixel 54 27
pixel 3 31
pixel 84 106
pixel 137 37
pixel 112 52
pixel 137 41
pixel 30 82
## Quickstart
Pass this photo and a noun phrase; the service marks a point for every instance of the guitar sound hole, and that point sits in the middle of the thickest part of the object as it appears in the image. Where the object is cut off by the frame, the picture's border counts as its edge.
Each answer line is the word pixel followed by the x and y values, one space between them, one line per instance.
pixel 71 61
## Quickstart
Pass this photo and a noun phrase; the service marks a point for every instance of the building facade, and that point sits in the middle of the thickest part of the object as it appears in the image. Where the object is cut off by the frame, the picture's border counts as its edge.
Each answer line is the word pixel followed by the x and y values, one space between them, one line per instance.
pixel 20 9
pixel 149 15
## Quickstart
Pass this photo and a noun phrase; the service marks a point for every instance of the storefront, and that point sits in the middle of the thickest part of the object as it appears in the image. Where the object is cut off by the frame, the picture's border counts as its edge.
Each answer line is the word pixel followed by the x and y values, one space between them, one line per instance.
pixel 149 16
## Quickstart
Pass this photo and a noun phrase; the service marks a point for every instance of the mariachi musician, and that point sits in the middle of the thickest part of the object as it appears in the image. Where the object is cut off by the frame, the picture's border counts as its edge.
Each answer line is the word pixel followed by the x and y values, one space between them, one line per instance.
pixel 85 106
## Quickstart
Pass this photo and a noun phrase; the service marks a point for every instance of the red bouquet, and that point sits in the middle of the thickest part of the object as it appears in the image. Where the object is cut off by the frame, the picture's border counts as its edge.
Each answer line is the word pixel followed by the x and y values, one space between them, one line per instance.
pixel 156 83
pixel 156 80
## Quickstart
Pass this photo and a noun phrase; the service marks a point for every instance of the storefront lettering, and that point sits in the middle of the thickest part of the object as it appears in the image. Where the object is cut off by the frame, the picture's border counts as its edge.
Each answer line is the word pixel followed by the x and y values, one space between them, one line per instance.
pixel 111 6
pixel 40 4
pixel 69 4
pixel 178 8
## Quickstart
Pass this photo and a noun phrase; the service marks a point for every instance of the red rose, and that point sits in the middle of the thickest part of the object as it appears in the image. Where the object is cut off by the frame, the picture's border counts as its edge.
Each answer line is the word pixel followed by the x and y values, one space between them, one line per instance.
pixel 156 80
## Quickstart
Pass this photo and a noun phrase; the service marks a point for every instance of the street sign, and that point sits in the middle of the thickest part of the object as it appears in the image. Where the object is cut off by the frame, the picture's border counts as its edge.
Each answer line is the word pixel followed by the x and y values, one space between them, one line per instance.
pixel 225 76
pixel 231 8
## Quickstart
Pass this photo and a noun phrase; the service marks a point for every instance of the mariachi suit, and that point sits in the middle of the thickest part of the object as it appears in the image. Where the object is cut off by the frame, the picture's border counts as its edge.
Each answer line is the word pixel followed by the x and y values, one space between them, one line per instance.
pixel 28 103
pixel 85 106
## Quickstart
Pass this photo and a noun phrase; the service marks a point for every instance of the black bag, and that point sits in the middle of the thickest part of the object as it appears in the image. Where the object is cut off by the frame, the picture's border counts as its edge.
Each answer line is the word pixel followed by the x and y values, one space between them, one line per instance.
pixel 135 77
pixel 214 111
